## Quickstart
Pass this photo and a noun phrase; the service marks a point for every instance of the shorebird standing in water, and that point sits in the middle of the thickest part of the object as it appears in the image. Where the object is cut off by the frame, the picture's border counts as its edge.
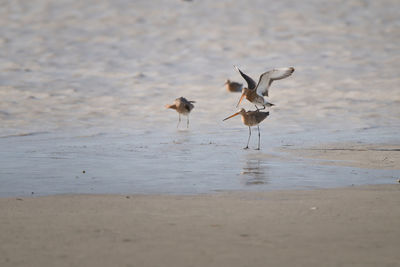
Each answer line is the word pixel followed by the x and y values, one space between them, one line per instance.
pixel 255 93
pixel 251 118
pixel 182 106
pixel 233 87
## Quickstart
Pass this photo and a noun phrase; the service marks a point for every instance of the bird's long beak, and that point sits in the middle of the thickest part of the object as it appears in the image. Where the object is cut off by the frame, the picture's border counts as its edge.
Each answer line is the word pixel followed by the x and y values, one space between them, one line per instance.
pixel 240 100
pixel 231 116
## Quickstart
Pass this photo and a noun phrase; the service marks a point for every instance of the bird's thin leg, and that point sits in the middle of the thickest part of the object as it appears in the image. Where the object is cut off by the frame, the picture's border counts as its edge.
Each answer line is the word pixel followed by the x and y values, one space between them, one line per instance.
pixel 248 140
pixel 187 122
pixel 258 127
pixel 256 107
pixel 179 121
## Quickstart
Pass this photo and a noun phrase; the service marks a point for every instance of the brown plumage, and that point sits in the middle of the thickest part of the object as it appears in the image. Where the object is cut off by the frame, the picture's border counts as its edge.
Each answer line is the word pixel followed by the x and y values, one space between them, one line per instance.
pixel 251 118
pixel 182 106
pixel 254 98
pixel 233 87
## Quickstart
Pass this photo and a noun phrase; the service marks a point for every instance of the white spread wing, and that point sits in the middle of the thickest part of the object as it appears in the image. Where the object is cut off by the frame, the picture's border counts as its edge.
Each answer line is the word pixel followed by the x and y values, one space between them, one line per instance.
pixel 268 77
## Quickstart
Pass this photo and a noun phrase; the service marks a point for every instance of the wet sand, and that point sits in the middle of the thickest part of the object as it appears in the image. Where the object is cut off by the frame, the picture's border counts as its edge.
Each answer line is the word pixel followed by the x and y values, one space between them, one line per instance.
pixel 371 156
pixel 356 226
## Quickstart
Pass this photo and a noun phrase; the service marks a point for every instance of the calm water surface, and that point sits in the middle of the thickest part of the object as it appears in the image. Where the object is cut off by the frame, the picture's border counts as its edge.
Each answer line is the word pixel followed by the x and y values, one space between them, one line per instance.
pixel 83 87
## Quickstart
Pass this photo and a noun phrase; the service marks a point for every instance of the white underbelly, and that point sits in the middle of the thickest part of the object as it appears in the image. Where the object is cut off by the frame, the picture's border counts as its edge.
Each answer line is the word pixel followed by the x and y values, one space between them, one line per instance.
pixel 259 101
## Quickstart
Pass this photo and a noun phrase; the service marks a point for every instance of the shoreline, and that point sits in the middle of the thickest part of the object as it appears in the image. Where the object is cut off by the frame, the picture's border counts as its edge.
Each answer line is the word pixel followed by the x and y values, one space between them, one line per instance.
pixel 326 165
pixel 355 226
pixel 365 156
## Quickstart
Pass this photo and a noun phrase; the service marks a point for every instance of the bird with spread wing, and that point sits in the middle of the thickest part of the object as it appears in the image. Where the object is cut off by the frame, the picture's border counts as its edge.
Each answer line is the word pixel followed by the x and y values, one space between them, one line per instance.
pixel 255 92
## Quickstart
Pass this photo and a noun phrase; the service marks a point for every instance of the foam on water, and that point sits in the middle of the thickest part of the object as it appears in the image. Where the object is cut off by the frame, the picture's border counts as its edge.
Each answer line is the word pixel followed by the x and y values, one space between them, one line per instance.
pixel 75 73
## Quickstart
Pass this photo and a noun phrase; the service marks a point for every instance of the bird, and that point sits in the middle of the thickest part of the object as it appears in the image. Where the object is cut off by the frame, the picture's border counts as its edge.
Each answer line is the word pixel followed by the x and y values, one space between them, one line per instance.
pixel 251 118
pixel 255 93
pixel 233 87
pixel 182 106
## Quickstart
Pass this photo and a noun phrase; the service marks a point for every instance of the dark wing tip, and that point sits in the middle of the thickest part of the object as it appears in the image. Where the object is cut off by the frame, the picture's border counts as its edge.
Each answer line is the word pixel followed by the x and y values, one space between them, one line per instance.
pixel 251 84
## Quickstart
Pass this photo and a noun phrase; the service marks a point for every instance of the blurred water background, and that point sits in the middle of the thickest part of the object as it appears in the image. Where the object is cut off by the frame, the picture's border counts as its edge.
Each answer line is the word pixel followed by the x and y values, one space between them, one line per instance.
pixel 83 86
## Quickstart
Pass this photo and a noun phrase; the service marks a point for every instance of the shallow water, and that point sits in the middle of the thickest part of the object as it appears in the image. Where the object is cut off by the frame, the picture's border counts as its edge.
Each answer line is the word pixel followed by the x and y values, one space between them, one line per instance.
pixel 83 87
pixel 172 162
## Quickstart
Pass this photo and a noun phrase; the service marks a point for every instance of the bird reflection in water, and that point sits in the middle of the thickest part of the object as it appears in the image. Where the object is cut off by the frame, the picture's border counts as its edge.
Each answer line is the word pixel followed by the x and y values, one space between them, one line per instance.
pixel 182 137
pixel 255 172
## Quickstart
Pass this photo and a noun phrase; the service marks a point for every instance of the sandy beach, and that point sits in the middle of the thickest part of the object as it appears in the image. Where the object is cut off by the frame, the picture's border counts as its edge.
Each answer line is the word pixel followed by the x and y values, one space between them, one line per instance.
pixel 356 226
pixel 352 226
